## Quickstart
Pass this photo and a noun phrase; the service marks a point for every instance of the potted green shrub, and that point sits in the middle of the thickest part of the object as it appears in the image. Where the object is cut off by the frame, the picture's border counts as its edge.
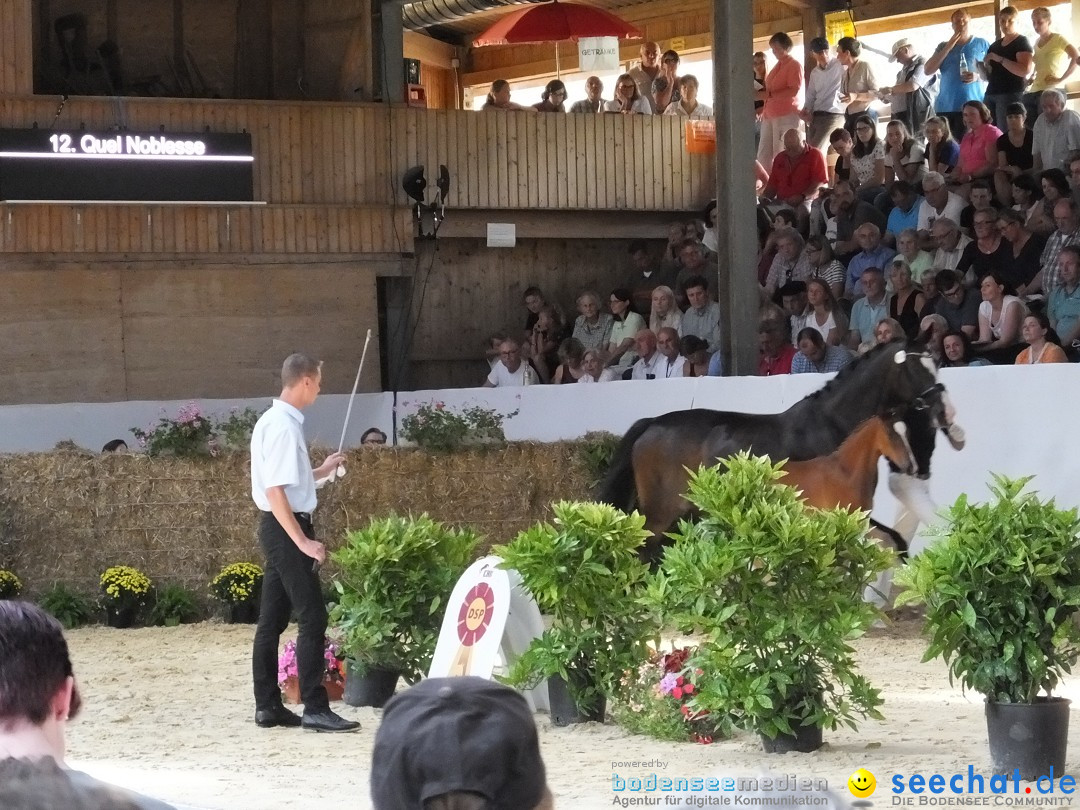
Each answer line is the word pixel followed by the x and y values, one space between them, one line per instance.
pixel 776 591
pixel 238 586
pixel 124 592
pixel 584 572
pixel 1001 589
pixel 392 579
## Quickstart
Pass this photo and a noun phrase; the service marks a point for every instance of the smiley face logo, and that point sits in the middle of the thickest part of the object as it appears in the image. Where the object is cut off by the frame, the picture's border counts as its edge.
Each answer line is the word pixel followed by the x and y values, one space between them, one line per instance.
pixel 862 783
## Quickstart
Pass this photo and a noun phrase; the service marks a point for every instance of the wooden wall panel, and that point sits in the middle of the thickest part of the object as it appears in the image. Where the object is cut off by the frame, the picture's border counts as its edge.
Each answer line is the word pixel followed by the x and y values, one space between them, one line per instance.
pixel 343 154
pixel 16 44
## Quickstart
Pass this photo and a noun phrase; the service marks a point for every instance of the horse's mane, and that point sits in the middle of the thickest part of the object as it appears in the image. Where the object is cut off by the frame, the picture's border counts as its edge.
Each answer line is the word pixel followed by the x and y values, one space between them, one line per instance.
pixel 855 368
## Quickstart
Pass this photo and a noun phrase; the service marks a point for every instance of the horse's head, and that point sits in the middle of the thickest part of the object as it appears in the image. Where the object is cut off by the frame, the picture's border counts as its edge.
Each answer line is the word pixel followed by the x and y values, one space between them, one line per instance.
pixel 915 385
pixel 893 444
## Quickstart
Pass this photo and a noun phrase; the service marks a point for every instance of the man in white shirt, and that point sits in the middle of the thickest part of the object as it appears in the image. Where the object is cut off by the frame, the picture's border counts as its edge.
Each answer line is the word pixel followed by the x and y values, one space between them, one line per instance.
pixel 823 111
pixel 937 202
pixel 671 362
pixel 283 487
pixel 648 357
pixel 1056 132
pixel 912 97
pixel 644 73
pixel 511 370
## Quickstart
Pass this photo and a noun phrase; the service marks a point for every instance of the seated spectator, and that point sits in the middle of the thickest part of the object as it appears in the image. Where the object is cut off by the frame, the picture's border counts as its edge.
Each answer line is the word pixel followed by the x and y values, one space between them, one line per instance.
pixel 544 342
pixel 1063 308
pixel 1043 344
pixel 1056 131
pixel 887 331
pixel 815 356
pixel 775 351
pixel 593 363
pixel 688 105
pixel 978 148
pixel 1013 152
pixel 795 305
pixel 708 238
pixel 981 198
pixel 499 97
pixel 797 176
pixel 671 361
pixel 676 236
pixel 593 101
pixel 511 370
pixel 1067 232
pixel 905 158
pixel 1019 259
pixel 553 98
pixel 495 340
pixel 593 326
pixel 571 355
pixel 669 69
pixel 867 160
pixel 534 301
pixel 1000 316
pixel 956 348
pixel 39 695
pixel 692 259
pixel 905 210
pixel 907 248
pixel 648 357
pixel 1027 197
pixel 790 263
pixel 664 311
pixel 457 743
pixel 930 293
pixel 696 352
pixel 702 317
pixel 984 254
pixel 43 785
pixel 932 331
pixel 1055 187
pixel 626 325
pixel 868 310
pixel 647 275
pixel 628 99
pixel 825 314
pixel 942 150
pixel 872 254
pixel 851 214
pixel 115 446
pixel 957 304
pixel 823 264
pixel 938 203
pixel 907 301
pixel 373 437
pixel 950 243
pixel 660 93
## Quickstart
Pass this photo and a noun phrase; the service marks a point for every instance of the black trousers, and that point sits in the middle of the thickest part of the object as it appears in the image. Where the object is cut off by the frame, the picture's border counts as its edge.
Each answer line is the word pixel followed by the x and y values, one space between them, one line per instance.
pixel 289 581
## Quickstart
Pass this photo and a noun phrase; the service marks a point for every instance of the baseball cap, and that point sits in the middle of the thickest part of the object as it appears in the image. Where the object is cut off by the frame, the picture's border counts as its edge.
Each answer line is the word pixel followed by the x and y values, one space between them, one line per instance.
pixel 900 43
pixel 819 44
pixel 464 734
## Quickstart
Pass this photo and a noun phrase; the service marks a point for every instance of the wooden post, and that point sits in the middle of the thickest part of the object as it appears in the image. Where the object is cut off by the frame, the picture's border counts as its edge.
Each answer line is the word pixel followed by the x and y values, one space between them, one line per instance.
pixel 736 228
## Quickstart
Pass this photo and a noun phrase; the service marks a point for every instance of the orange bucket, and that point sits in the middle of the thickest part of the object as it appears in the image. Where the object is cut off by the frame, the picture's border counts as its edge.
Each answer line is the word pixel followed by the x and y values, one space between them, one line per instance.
pixel 701 137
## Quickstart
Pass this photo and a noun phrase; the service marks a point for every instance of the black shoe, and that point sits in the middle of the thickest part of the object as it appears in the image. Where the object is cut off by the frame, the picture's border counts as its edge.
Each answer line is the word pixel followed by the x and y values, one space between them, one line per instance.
pixel 278 716
pixel 328 721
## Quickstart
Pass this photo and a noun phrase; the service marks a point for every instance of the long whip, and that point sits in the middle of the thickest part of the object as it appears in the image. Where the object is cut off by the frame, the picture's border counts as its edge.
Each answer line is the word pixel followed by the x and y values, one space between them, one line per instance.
pixel 340 471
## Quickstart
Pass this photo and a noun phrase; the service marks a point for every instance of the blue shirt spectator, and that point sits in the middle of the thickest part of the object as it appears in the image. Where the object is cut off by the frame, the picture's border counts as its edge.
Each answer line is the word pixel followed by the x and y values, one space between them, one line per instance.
pixel 869 310
pixel 954 92
pixel 873 254
pixel 815 357
pixel 901 219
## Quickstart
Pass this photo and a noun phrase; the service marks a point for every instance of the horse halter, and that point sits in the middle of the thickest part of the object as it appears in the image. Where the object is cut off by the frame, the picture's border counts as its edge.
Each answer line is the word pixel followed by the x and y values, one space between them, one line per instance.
pixel 921 401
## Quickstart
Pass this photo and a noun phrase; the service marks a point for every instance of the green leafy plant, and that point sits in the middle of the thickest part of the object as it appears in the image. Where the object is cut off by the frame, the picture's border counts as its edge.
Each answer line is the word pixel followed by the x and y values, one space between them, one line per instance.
pixel 10 586
pixel 1002 589
pixel 235 430
pixel 173 605
pixel 583 570
pixel 124 587
pixel 596 450
pixel 70 608
pixel 776 589
pixel 186 434
pixel 392 579
pixel 238 583
pixel 435 427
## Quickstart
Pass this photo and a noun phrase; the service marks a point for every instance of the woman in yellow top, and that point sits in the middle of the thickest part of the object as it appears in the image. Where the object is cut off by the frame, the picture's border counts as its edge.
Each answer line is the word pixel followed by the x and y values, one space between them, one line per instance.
pixel 1055 60
pixel 1041 342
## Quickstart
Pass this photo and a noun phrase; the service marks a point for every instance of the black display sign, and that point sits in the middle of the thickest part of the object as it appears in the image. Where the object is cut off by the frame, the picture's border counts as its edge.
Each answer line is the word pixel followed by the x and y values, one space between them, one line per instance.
pixel 44 164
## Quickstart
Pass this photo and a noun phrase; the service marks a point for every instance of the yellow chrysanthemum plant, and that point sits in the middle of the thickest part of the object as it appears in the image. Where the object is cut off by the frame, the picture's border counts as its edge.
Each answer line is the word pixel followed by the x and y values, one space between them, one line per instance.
pixel 238 583
pixel 124 587
pixel 10 586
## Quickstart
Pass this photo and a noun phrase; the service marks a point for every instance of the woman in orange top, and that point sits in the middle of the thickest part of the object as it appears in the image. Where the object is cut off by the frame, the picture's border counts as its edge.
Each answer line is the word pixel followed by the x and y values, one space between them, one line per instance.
pixel 1041 340
pixel 783 99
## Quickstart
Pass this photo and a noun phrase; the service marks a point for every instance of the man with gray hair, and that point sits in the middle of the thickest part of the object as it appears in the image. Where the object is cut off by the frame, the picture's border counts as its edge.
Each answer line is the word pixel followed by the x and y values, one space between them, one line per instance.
pixel 937 202
pixel 594 97
pixel 1056 132
pixel 950 243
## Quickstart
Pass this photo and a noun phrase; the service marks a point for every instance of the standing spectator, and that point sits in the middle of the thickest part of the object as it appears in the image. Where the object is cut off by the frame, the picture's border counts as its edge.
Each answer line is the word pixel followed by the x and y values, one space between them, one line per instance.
pixel 958 59
pixel 1041 340
pixel 1055 61
pixel 782 94
pixel 823 111
pixel 912 97
pixel 648 357
pixel 625 326
pixel 1056 133
pixel 797 176
pixel 760 71
pixel 643 74
pixel 868 310
pixel 867 160
pixel 702 317
pixel 905 210
pixel 593 325
pixel 1014 152
pixel 628 99
pixel 774 352
pixel 1064 304
pixel 1019 262
pixel 978 149
pixel 942 150
pixel 593 101
pixel 511 371
pixel 1007 64
pixel 498 98
pixel 670 91
pixel 872 254
pixel 553 98
pixel 815 357
pixel 688 105
pixel 858 88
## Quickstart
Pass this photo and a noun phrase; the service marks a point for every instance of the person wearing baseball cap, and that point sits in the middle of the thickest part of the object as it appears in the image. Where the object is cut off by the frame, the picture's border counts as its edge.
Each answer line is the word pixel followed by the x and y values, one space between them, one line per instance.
pixel 459 743
pixel 912 97
pixel 823 111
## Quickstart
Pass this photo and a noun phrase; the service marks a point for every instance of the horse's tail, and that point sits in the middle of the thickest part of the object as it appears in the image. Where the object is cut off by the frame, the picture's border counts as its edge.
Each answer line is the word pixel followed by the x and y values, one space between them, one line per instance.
pixel 617 488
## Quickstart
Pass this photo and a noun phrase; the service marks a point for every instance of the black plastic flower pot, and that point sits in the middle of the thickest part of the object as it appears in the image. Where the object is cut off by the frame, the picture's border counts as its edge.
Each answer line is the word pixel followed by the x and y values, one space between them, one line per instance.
pixel 804 740
pixel 242 613
pixel 372 688
pixel 565 711
pixel 1029 737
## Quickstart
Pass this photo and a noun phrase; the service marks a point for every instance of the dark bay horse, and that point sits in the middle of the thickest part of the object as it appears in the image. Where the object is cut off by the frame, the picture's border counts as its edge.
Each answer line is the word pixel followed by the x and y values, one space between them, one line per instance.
pixel 653 457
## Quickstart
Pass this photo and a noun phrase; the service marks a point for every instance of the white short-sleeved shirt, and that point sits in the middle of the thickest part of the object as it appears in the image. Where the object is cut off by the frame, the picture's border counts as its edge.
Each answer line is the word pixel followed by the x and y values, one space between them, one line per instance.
pixel 502 377
pixel 279 457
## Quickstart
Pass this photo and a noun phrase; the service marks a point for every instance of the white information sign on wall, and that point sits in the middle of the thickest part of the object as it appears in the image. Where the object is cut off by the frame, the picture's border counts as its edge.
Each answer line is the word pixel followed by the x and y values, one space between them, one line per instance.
pixel 598 54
